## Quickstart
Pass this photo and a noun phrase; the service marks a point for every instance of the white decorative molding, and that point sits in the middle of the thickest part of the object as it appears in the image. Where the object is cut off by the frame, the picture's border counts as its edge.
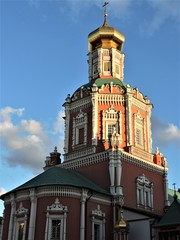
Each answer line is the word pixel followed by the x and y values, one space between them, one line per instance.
pixel 128 117
pixel 58 191
pixel 80 153
pixel 110 99
pixel 80 104
pixel 98 213
pixel 57 207
pixel 94 117
pixel 111 117
pixel 143 163
pixel 139 104
pixel 80 121
pixel 21 210
pixel 85 161
pixel 141 153
pixel 144 192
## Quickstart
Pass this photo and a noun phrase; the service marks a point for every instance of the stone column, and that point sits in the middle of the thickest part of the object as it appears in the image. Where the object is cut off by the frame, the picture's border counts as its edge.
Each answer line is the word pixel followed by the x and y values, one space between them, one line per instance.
pixel 25 226
pixel 64 230
pixel 82 219
pixel 11 221
pixel 32 214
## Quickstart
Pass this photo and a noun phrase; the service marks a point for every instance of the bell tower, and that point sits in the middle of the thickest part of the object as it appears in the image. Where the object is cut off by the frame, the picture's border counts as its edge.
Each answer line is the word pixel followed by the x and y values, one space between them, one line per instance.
pixel 108 129
pixel 107 113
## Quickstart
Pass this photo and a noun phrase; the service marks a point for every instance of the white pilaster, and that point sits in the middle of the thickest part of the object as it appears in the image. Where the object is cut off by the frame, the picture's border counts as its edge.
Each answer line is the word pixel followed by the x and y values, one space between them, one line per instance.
pixel 111 172
pixel 11 222
pixel 32 214
pixel 118 174
pixel 128 116
pixel 166 189
pixel 94 116
pixel 82 219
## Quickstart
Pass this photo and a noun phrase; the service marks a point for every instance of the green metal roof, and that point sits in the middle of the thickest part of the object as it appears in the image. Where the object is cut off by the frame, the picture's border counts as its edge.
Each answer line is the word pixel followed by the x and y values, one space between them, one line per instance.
pixel 172 216
pixel 57 176
pixel 100 81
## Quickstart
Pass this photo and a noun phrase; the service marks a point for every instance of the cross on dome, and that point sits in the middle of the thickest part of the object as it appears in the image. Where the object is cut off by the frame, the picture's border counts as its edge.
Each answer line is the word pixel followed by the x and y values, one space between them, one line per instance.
pixel 105 14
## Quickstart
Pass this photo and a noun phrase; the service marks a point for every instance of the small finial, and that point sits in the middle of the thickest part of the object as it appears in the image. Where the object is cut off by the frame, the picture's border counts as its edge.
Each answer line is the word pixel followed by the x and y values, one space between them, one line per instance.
pixel 105 14
pixel 55 149
pixel 175 195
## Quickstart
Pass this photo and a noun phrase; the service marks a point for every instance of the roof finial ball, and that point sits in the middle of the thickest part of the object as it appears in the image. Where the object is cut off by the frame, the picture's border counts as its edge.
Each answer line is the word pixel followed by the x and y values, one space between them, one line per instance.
pixel 105 14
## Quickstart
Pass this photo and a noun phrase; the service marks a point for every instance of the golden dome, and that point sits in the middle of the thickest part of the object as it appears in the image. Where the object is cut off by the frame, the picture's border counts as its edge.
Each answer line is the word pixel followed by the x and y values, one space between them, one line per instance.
pixel 122 225
pixel 106 37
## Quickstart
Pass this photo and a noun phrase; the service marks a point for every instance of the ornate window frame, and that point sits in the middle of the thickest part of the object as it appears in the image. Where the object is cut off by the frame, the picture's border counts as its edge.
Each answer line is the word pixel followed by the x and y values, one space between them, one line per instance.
pixel 98 223
pixel 139 136
pixel 56 211
pixel 144 190
pixel 79 122
pixel 111 117
pixel 20 223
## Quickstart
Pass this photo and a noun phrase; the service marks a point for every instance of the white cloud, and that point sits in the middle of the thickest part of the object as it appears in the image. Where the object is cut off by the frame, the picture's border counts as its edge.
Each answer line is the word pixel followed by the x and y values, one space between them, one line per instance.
pixel 165 134
pixel 2 191
pixel 59 123
pixel 26 142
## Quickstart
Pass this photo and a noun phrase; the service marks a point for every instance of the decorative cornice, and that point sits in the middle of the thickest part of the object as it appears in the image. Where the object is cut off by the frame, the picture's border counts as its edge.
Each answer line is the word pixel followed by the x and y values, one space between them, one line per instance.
pixel 80 153
pixel 140 104
pixel 99 157
pixel 80 103
pixel 85 161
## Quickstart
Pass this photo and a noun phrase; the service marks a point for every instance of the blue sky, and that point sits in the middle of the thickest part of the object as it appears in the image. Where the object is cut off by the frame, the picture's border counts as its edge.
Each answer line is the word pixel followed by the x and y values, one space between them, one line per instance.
pixel 43 57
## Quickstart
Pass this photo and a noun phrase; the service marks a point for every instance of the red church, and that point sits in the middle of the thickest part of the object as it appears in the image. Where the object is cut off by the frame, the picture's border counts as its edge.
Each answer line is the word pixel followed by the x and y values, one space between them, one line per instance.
pixel 110 185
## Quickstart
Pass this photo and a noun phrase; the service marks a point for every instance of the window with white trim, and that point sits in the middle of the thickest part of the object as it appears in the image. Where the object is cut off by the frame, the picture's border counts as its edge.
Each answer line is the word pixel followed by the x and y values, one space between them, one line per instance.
pixel 98 224
pixel 56 221
pixel 79 134
pixel 20 226
pixel 144 192
pixel 107 66
pixel 111 123
pixel 139 130
pixel 138 136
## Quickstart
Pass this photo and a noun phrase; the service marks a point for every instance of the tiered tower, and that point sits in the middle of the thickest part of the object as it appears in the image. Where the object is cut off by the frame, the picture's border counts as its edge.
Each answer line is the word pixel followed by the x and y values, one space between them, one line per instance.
pixel 108 130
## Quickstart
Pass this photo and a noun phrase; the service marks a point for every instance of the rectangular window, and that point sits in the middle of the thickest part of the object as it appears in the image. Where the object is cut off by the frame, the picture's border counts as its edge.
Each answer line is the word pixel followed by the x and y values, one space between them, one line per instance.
pixel 55 230
pixel 111 129
pixel 106 66
pixel 95 68
pixel 96 232
pixel 138 136
pixel 140 193
pixel 81 135
pixel 20 233
pixel 117 68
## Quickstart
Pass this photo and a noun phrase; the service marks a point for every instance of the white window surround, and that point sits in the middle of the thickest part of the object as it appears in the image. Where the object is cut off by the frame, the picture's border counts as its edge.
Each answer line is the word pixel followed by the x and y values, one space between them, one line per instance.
pixel 80 121
pixel 21 216
pixel 144 192
pixel 139 131
pixel 111 117
pixel 98 223
pixel 56 211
